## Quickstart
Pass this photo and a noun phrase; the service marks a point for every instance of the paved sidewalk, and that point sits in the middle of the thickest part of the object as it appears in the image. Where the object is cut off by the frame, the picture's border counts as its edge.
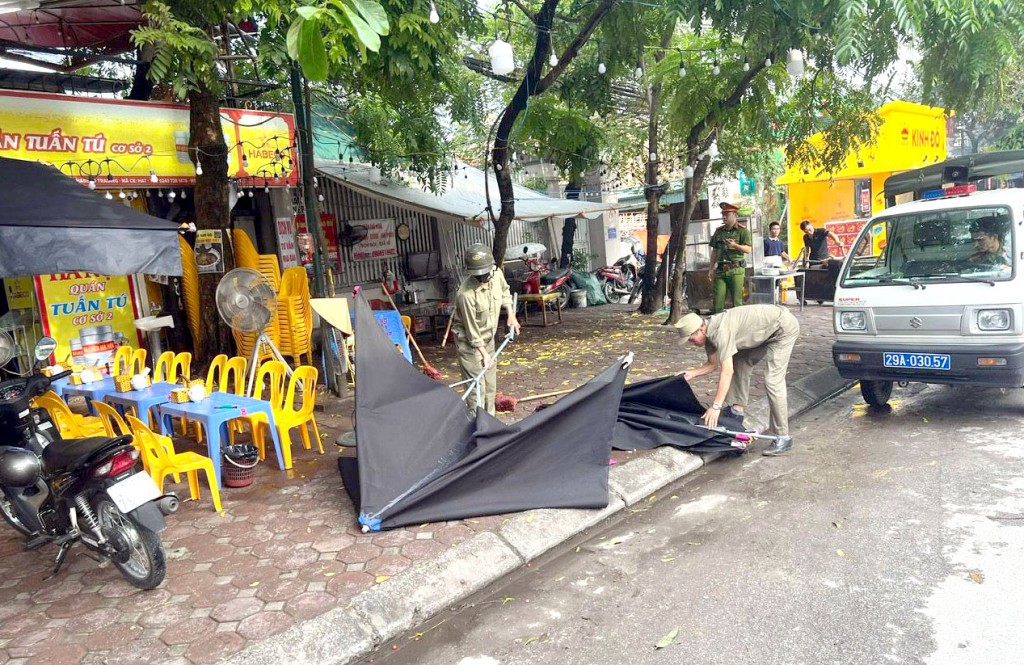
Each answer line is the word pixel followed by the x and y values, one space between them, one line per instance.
pixel 284 573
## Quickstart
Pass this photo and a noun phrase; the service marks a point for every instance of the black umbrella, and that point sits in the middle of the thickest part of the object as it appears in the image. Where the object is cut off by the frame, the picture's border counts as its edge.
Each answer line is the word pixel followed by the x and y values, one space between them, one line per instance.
pixel 52 224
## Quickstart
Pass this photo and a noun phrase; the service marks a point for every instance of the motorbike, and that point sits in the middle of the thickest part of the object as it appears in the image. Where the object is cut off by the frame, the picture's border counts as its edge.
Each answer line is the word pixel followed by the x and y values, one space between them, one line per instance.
pixel 622 278
pixel 541 278
pixel 65 491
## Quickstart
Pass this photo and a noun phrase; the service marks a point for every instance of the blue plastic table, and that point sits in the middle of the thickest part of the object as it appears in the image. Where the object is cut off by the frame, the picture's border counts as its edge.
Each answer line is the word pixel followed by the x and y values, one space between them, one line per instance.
pixel 90 391
pixel 143 401
pixel 59 385
pixel 214 412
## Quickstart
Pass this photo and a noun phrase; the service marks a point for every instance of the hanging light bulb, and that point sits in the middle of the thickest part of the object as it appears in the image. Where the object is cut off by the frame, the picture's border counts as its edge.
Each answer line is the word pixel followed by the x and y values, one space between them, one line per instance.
pixel 152 175
pixel 553 60
pixel 320 198
pixel 316 183
pixel 502 58
pixel 184 195
pixel 160 193
pixel 375 175
pixel 682 70
pixel 688 172
pixel 266 189
pixel 434 16
pixel 795 63
pixel 199 167
pixel 653 156
pixel 713 150
pixel 601 69
pixel 171 195
pixel 121 194
pixel 746 65
pixel 639 72
pixel 245 160
pixel 716 70
pixel 767 62
pixel 250 193
pixel 92 183
pixel 108 196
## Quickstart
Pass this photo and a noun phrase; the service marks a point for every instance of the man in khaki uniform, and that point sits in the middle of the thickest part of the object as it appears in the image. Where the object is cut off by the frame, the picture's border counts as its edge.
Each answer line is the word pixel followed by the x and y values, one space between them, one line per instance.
pixel 477 311
pixel 729 246
pixel 736 341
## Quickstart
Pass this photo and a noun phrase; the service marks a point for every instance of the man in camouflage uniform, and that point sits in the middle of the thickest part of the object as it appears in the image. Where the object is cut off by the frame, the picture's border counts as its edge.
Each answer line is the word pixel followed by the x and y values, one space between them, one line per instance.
pixel 729 246
pixel 477 311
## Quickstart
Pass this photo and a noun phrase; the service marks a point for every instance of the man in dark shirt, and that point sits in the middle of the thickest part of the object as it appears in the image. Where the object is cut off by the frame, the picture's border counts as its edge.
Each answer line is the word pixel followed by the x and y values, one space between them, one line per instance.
pixel 773 243
pixel 816 242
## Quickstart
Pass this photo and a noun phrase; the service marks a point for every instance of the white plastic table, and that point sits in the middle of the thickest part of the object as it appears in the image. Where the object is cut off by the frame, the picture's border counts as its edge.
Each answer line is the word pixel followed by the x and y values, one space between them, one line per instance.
pixel 773 282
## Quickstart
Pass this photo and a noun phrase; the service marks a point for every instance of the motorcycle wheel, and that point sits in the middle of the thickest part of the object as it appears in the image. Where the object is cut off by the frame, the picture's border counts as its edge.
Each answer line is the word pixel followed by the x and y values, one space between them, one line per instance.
pixel 7 510
pixel 609 291
pixel 140 553
pixel 563 297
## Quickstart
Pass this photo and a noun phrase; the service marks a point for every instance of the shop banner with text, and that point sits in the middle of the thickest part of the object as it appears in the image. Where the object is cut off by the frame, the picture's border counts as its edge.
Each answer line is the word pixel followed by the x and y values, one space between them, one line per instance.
pixel 327 224
pixel 89 315
pixel 123 143
pixel 380 240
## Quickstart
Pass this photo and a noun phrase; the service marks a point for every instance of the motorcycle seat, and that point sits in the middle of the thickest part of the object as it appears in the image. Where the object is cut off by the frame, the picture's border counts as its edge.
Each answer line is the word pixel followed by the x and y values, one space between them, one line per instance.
pixel 554 275
pixel 61 455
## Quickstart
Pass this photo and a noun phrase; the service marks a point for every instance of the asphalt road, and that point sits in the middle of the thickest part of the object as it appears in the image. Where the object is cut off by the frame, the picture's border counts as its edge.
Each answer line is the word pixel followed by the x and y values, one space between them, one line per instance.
pixel 882 538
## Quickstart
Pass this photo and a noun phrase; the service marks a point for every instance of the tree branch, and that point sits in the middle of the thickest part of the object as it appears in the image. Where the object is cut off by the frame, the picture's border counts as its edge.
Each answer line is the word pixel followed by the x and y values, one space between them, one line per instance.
pixel 577 43
pixel 522 8
pixel 731 101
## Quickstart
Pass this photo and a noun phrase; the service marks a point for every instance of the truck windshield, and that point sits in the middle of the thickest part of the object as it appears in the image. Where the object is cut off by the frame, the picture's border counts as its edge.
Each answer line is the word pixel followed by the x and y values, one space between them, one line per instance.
pixel 955 245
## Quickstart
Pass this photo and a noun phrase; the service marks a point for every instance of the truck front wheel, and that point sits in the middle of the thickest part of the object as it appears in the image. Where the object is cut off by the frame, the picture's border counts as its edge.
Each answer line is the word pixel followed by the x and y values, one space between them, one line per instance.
pixel 876 393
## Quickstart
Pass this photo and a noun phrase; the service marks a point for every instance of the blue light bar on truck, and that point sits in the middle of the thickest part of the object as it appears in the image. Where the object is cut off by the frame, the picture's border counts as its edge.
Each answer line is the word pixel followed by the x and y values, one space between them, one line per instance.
pixel 958 190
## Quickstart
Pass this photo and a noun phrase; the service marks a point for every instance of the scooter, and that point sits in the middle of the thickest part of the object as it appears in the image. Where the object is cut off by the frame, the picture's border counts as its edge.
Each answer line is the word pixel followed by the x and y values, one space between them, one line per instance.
pixel 622 278
pixel 64 491
pixel 541 278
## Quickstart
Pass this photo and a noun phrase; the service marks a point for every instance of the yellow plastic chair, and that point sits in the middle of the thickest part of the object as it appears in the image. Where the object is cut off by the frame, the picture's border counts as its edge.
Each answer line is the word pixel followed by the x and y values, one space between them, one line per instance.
pixel 269 386
pixel 113 423
pixel 233 379
pixel 70 424
pixel 163 461
pixel 138 362
pixel 164 368
pixel 122 360
pixel 182 366
pixel 288 417
pixel 215 375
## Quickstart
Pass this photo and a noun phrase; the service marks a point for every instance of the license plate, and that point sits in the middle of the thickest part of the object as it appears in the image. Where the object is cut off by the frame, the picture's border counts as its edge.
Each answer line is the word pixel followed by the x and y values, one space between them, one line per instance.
pixel 916 360
pixel 133 491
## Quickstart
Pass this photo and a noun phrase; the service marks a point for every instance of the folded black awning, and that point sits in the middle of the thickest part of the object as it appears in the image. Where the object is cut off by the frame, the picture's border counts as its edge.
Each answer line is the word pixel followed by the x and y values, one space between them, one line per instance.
pixel 51 224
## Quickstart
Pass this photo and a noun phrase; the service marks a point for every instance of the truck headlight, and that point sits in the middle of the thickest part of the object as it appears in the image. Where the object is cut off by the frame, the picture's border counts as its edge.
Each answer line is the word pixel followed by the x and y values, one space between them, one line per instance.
pixel 993 319
pixel 853 321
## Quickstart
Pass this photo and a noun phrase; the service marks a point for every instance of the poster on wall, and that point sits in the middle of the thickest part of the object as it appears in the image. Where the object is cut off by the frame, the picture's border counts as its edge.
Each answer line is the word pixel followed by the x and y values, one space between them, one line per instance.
pixel 327 224
pixel 847 231
pixel 379 243
pixel 210 251
pixel 19 292
pixel 89 315
pixel 286 242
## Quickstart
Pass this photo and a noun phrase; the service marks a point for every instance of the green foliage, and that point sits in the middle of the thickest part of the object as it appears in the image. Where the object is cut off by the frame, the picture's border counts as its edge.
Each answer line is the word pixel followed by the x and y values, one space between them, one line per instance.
pixel 561 134
pixel 580 260
pixel 537 184
pixel 348 24
pixel 184 56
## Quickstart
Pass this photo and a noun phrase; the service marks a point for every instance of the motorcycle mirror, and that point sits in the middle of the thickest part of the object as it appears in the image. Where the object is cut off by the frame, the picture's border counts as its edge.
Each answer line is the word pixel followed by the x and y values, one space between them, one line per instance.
pixel 45 348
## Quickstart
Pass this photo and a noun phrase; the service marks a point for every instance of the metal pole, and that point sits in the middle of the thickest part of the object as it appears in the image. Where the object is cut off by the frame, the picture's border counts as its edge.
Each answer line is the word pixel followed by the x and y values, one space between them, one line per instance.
pixel 306 171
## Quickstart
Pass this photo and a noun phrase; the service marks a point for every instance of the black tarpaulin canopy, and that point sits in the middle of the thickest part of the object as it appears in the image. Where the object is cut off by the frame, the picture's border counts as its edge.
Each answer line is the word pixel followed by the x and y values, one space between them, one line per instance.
pixel 422 458
pixel 52 224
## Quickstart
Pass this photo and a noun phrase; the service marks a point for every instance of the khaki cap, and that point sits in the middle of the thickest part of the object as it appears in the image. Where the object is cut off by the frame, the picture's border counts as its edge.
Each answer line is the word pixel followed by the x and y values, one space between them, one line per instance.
pixel 689 324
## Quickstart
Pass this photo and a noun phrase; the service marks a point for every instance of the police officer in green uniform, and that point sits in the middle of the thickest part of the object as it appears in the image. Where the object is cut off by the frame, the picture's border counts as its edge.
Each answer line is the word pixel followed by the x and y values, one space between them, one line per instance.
pixel 729 246
pixel 477 311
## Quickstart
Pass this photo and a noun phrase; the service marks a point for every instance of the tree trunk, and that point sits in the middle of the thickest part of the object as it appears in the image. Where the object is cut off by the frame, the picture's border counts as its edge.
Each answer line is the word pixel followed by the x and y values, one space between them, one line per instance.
pixel 142 87
pixel 649 301
pixel 679 228
pixel 532 84
pixel 207 146
pixel 572 191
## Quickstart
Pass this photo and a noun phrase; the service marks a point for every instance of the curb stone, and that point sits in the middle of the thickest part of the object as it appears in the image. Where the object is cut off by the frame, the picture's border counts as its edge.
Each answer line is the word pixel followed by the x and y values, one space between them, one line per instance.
pixel 387 610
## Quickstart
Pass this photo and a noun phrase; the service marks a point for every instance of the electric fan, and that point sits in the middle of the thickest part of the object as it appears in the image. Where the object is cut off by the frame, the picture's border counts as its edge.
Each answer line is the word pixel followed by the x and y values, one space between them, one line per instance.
pixel 247 302
pixel 349 235
pixel 7 347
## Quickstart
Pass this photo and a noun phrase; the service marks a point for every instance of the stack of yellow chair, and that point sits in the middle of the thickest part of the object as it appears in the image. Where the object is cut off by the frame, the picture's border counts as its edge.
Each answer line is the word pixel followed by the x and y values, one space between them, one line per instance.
pixel 246 256
pixel 190 290
pixel 295 316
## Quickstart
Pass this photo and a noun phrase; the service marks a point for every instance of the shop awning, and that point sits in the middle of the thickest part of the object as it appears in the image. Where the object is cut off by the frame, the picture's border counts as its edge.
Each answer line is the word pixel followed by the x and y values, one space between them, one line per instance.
pixel 979 166
pixel 464 197
pixel 52 224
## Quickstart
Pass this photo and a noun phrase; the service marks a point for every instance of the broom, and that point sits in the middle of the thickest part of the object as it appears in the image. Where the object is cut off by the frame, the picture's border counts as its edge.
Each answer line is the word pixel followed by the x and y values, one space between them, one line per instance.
pixel 428 369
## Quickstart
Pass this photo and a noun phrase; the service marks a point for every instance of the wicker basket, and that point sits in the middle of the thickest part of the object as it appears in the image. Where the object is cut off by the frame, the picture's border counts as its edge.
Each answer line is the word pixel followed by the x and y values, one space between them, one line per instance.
pixel 123 383
pixel 179 395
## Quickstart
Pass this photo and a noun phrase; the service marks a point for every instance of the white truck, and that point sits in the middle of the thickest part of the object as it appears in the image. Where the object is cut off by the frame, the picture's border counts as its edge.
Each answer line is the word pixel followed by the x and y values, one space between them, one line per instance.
pixel 935 292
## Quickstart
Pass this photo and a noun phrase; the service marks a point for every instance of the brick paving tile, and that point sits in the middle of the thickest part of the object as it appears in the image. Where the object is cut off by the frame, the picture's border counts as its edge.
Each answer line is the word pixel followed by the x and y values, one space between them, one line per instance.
pixel 452 534
pixel 69 654
pixel 359 553
pixel 142 601
pixel 347 585
pixel 188 631
pixel 59 592
pixel 264 624
pixel 333 542
pixel 113 636
pixel 254 577
pixel 395 538
pixel 423 549
pixel 209 553
pixel 323 570
pixel 309 604
pixel 142 650
pixel 165 615
pixel 388 564
pixel 189 583
pixel 215 648
pixel 236 610
pixel 233 564
pixel 27 638
pixel 280 589
pixel 215 594
pixel 17 625
pixel 10 609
